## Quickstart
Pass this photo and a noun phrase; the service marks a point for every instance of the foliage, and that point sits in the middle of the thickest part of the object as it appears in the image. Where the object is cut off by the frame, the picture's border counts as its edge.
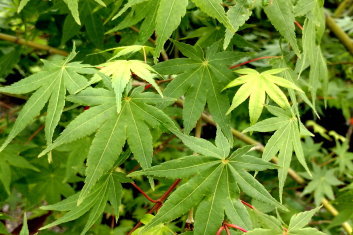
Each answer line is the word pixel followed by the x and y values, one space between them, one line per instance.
pixel 143 77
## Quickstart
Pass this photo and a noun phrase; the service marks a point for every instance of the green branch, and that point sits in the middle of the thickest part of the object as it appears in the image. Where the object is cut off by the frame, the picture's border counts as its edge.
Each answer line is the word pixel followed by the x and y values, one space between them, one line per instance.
pixel 340 34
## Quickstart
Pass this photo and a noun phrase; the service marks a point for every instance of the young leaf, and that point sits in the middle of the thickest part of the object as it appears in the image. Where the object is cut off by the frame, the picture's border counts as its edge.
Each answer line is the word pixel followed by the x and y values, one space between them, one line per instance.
pixel 121 71
pixel 255 85
pixel 50 84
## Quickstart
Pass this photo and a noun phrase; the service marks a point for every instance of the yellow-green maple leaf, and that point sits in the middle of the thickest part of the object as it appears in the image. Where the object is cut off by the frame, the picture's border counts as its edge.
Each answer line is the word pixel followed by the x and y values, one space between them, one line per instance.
pixel 256 85
pixel 121 71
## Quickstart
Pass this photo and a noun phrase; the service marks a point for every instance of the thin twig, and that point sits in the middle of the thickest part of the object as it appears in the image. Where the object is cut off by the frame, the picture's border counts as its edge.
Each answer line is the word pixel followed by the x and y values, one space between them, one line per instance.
pixel 219 232
pixel 227 230
pixel 253 60
pixel 143 193
pixel 342 7
pixel 334 212
pixel 4 105
pixel 298 25
pixel 35 134
pixel 340 34
pixel 35 45
pixel 247 204
pixel 158 204
pixel 235 227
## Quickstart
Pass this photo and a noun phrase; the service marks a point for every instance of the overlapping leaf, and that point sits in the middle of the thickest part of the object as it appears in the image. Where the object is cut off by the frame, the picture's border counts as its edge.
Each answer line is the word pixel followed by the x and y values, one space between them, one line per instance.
pixel 297 225
pixel 216 177
pixel 10 158
pixel 107 189
pixel 344 159
pixel 164 17
pixel 280 13
pixel 237 16
pixel 313 30
pixel 284 141
pixel 256 85
pixel 132 125
pixel 50 87
pixel 200 79
pixel 121 71
pixel 215 9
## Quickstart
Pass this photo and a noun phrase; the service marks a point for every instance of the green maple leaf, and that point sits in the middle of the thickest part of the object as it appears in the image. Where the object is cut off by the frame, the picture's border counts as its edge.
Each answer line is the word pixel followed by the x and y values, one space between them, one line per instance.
pixel 200 78
pixel 297 224
pixel 256 85
pixel 107 189
pixel 344 158
pixel 321 184
pixel 50 87
pixel 284 141
pixel 237 15
pixel 49 184
pixel 216 176
pixel 132 125
pixel 71 4
pixel 164 17
pixel 121 71
pixel 10 158
pixel 280 13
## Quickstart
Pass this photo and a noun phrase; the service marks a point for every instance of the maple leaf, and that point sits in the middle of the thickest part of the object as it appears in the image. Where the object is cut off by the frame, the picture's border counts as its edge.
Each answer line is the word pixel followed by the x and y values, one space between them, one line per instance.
pixel 281 15
pixel 132 125
pixel 344 159
pixel 107 189
pixel 256 85
pixel 297 224
pixel 285 140
pixel 164 17
pixel 121 71
pixel 50 87
pixel 321 183
pixel 216 176
pixel 10 158
pixel 200 79
pixel 48 185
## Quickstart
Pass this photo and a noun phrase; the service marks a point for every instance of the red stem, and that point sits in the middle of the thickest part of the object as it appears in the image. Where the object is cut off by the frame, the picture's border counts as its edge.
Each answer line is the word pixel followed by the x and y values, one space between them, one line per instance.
pixel 298 25
pixel 158 203
pixel 227 230
pixel 236 227
pixel 35 134
pixel 144 194
pixel 253 60
pixel 247 204
pixel 219 232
